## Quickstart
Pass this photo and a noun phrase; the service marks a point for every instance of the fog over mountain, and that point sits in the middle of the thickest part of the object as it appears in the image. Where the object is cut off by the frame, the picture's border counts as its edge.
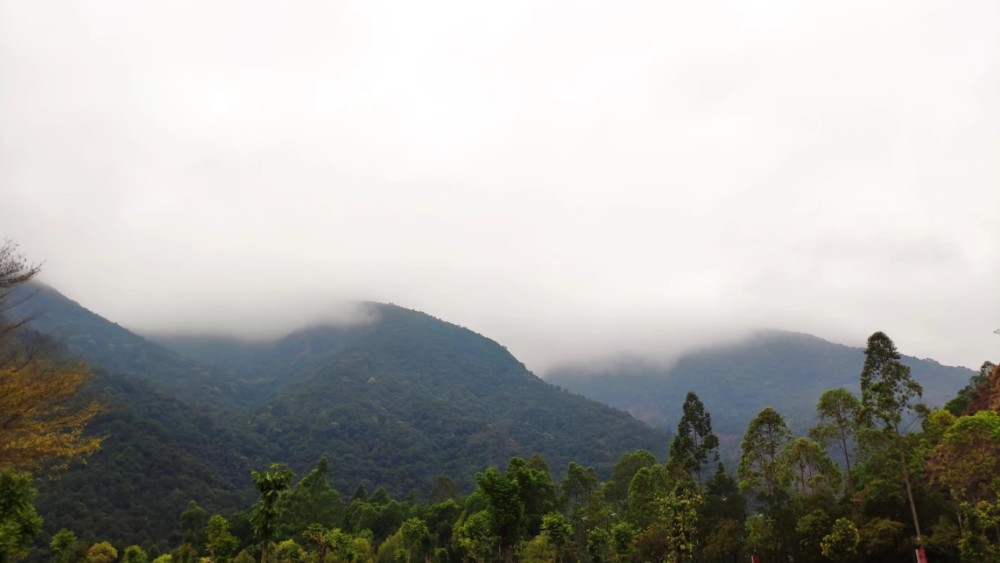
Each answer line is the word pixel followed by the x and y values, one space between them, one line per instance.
pixel 574 180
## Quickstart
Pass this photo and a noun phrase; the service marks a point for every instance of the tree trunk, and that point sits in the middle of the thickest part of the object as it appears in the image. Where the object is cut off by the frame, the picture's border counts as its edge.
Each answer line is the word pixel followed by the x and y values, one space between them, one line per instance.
pixel 909 489
pixel 507 550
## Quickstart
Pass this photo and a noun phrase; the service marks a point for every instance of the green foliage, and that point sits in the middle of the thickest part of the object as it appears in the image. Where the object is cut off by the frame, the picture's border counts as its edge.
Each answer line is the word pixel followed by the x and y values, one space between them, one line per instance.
pixel 887 389
pixel 311 501
pixel 475 536
pixel 193 525
pixel 807 469
pixel 616 489
pixel 64 547
pixel 694 445
pixel 399 401
pixel 184 553
pixel 288 551
pixel 725 540
pixel 880 537
pixel 648 487
pixel 102 552
pixel 19 522
pixel 841 544
pixel 837 412
pixel 679 519
pixel 134 554
pixel 960 403
pixel 760 466
pixel 967 459
pixel 763 536
pixel 271 485
pixel 539 549
pixel 599 545
pixel 219 542
pixel 444 489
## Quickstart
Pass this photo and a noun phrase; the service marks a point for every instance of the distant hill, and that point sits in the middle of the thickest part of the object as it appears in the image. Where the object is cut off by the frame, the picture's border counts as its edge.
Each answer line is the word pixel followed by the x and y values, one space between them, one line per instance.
pixel 396 402
pixel 788 371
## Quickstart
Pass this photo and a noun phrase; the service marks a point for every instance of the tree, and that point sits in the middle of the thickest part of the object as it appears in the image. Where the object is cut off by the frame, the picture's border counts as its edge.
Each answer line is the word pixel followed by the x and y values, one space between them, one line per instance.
pixel 219 542
pixel 271 485
pixel 311 501
pixel 694 442
pixel 616 489
pixel 837 411
pixel 967 460
pixel 41 416
pixel 960 403
pixel 193 525
pixel 19 522
pixel 679 518
pixel 444 489
pixel 134 554
pixel 808 469
pixel 475 536
pixel 841 544
pixel 416 540
pixel 762 445
pixel 15 271
pixel 887 391
pixel 64 546
pixel 506 509
pixel 102 552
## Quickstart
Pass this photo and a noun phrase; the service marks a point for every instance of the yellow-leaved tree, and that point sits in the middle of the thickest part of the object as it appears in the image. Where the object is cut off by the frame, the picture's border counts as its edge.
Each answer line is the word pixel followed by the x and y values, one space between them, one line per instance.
pixel 42 411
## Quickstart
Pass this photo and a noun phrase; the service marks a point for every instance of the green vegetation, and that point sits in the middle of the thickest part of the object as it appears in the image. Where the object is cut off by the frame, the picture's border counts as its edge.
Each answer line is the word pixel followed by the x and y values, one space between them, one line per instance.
pixel 396 403
pixel 791 500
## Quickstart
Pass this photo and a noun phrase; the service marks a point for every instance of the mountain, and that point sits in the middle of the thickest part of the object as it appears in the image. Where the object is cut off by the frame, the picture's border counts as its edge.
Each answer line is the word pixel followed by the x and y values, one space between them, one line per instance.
pixel 114 349
pixel 788 371
pixel 406 396
pixel 396 401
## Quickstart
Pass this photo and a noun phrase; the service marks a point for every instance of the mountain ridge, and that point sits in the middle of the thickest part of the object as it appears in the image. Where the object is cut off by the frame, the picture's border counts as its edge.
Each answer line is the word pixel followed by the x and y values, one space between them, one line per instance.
pixel 785 369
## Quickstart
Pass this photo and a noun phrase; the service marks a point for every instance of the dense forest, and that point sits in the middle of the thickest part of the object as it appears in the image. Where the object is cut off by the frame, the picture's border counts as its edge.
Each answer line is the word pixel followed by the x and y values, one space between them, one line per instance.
pixel 789 497
pixel 879 476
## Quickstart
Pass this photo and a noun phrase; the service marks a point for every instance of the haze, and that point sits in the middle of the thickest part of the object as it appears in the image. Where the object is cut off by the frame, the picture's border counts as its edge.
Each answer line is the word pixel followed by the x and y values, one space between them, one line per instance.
pixel 572 179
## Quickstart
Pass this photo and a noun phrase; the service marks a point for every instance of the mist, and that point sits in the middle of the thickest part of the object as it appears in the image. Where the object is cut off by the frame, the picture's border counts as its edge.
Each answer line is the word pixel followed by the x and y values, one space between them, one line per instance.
pixel 576 181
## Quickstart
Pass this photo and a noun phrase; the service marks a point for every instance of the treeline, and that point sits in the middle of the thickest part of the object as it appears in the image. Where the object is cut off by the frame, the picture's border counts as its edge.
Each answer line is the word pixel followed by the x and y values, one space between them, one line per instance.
pixel 901 478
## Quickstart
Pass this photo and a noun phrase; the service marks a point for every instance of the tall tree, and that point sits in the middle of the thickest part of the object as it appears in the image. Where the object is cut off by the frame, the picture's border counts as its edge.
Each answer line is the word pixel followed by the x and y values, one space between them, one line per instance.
pixel 760 466
pixel 837 411
pixel 694 444
pixel 15 271
pixel 887 391
pixel 219 542
pixel 808 469
pixel 616 489
pixel 41 416
pixel 311 501
pixel 506 510
pixel 271 485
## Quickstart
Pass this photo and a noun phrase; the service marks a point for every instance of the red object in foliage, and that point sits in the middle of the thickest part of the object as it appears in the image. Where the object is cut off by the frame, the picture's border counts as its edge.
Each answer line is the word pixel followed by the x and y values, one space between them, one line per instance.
pixel 756 558
pixel 921 556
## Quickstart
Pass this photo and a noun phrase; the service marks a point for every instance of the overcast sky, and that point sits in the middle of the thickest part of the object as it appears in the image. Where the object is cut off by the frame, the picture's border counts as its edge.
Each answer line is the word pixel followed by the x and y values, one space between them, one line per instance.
pixel 573 179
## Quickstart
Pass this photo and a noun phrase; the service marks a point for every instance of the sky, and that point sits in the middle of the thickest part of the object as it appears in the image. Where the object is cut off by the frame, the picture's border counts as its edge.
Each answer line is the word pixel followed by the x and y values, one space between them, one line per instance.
pixel 575 180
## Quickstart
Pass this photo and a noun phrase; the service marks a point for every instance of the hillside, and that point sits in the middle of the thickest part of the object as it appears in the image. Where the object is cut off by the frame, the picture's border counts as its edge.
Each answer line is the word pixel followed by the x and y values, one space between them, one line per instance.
pixel 788 371
pixel 114 349
pixel 395 402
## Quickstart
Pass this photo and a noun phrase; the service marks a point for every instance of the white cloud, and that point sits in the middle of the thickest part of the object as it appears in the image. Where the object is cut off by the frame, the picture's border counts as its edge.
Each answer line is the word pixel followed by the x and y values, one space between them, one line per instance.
pixel 570 179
